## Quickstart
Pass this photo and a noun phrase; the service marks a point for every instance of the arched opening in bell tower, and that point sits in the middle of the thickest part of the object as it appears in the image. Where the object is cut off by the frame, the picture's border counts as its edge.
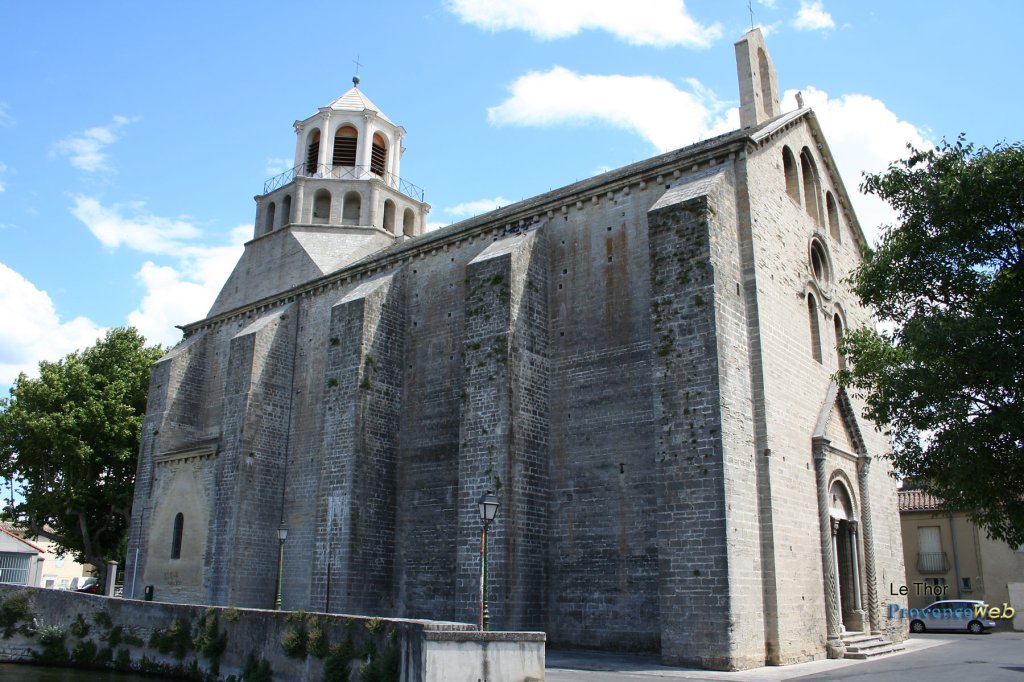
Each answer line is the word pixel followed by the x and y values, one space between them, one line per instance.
pixel 389 216
pixel 350 208
pixel 268 223
pixel 286 210
pixel 409 223
pixel 378 155
pixel 313 152
pixel 321 207
pixel 346 141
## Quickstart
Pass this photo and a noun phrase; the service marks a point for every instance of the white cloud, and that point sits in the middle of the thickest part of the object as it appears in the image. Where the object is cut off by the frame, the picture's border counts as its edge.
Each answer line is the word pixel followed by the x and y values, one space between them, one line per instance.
pixel 653 107
pixel 6 120
pixel 661 23
pixel 130 225
pixel 175 293
pixel 3 170
pixel 813 17
pixel 184 293
pixel 85 150
pixel 278 165
pixel 864 136
pixel 472 208
pixel 32 330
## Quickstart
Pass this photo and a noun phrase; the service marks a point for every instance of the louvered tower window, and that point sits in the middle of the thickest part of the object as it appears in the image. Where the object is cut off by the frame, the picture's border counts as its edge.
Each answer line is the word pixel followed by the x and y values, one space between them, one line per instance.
pixel 313 153
pixel 345 142
pixel 378 156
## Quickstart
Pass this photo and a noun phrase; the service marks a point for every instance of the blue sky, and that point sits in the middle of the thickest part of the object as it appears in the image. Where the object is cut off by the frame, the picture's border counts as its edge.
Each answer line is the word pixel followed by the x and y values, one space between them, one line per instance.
pixel 133 136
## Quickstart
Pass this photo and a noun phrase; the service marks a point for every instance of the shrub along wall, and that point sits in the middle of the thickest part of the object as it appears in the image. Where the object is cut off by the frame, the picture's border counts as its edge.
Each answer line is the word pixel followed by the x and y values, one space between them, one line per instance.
pixel 226 644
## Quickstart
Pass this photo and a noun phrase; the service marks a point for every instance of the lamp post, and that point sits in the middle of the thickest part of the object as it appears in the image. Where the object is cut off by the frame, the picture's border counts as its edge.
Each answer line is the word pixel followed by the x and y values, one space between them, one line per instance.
pixel 282 535
pixel 488 504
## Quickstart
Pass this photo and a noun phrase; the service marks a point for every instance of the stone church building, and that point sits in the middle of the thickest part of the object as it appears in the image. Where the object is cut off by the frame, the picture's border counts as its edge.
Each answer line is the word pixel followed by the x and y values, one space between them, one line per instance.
pixel 638 365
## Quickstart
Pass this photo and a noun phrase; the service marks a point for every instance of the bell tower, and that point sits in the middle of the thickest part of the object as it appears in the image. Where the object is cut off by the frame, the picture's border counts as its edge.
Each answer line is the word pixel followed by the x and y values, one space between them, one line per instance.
pixel 342 201
pixel 345 175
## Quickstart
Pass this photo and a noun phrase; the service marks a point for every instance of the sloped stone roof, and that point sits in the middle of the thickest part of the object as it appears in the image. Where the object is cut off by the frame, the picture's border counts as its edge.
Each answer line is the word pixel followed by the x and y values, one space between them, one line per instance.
pixel 355 100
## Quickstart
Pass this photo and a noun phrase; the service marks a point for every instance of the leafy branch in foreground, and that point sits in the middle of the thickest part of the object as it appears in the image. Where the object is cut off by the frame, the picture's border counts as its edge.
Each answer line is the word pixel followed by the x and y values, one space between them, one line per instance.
pixel 70 438
pixel 947 284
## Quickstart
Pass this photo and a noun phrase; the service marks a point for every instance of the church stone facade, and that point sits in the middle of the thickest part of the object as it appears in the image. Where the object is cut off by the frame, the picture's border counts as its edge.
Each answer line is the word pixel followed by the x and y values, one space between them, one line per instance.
pixel 638 365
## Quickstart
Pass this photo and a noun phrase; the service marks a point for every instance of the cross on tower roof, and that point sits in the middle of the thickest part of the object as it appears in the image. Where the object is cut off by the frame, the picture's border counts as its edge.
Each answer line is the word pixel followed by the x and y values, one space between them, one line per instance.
pixel 355 78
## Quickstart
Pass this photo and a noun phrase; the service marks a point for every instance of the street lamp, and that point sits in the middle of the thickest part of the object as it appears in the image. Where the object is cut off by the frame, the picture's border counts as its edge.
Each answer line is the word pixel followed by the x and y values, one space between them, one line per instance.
pixel 282 535
pixel 488 504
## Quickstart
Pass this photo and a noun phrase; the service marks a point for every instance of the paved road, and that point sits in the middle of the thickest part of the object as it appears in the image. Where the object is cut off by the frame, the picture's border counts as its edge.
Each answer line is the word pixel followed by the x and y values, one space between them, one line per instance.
pixel 933 657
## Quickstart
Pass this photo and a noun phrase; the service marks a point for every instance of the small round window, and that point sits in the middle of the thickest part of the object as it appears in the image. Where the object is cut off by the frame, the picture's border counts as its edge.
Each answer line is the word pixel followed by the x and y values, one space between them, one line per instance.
pixel 819 264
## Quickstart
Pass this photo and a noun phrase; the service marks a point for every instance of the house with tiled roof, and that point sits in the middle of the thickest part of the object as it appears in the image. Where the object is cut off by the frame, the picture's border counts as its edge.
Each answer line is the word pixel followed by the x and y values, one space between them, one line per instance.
pixel 52 568
pixel 20 560
pixel 948 557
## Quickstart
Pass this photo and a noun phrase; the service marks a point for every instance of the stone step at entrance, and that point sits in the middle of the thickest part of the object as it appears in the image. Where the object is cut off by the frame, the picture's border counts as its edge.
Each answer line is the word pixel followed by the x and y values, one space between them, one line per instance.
pixel 861 645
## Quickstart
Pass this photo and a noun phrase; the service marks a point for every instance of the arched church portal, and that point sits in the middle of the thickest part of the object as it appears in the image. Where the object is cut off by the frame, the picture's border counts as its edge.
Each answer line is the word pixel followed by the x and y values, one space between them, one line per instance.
pixel 846 557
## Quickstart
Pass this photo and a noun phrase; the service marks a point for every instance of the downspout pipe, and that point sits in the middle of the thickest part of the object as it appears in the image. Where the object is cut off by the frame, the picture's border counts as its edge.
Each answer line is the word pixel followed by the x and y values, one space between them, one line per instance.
pixel 956 556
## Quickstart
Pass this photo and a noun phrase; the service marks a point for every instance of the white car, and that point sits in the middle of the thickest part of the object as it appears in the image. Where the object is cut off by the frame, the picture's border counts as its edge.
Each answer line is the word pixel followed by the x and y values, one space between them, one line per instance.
pixel 952 614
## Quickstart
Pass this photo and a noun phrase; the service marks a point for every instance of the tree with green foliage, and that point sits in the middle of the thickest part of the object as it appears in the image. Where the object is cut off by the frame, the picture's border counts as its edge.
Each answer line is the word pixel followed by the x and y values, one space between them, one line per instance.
pixel 947 285
pixel 70 439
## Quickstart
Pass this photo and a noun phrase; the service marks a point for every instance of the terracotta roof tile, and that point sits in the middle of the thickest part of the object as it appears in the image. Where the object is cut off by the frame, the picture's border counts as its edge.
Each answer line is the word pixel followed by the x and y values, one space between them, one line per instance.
pixel 918 500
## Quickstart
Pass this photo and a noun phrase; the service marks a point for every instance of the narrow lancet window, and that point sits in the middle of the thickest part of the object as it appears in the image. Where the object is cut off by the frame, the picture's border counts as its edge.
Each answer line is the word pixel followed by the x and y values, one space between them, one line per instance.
pixel 838 322
pixel 179 528
pixel 812 316
pixel 833 216
pixel 789 169
pixel 810 173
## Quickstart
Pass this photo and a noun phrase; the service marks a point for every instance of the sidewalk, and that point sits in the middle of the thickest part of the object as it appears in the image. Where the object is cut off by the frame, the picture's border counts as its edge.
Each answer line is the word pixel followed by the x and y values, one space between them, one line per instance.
pixel 649 666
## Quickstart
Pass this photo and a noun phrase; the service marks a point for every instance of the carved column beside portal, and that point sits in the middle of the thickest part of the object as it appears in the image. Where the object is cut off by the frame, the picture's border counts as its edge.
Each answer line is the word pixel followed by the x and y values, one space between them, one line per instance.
pixel 835 643
pixel 869 545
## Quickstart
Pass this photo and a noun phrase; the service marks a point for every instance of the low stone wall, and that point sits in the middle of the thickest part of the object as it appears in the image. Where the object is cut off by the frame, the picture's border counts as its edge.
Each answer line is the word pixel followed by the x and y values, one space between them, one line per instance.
pixel 244 645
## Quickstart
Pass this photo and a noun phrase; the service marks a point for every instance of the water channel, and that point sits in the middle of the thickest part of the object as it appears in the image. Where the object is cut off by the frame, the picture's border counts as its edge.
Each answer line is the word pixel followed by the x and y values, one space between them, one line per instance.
pixel 11 672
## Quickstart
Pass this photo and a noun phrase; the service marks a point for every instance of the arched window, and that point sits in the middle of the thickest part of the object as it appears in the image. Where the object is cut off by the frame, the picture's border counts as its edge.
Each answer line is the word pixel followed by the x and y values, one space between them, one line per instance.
pixel 820 268
pixel 833 216
pixel 789 169
pixel 389 216
pixel 351 208
pixel 268 220
pixel 812 316
pixel 322 207
pixel 179 528
pixel 378 155
pixel 409 223
pixel 766 85
pixel 286 210
pixel 313 152
pixel 345 142
pixel 811 191
pixel 838 322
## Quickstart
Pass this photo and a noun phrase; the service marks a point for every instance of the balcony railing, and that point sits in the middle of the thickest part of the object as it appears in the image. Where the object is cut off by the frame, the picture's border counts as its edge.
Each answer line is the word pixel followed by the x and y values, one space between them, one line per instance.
pixel 343 173
pixel 932 562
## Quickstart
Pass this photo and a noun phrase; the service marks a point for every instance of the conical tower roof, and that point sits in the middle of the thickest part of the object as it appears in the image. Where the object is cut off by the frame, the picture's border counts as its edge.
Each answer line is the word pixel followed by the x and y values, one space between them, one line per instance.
pixel 355 100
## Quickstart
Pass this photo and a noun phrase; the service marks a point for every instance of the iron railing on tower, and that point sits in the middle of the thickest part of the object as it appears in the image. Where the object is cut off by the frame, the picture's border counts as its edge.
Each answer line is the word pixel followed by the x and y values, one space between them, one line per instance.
pixel 344 173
